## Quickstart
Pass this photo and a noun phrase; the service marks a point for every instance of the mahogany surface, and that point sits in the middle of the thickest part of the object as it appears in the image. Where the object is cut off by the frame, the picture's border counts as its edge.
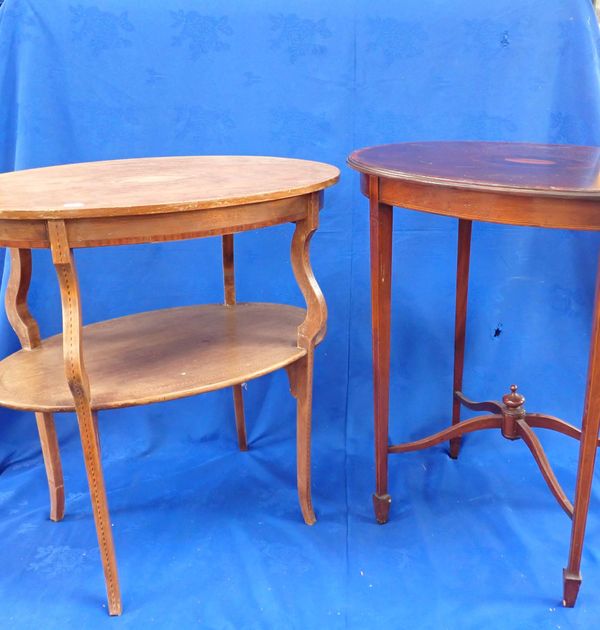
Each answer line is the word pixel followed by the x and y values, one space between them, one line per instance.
pixel 534 169
pixel 550 186
pixel 470 180
pixel 161 355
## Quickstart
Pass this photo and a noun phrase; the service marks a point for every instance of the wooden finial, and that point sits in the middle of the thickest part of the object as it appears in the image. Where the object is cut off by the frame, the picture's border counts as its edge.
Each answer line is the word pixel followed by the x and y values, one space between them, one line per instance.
pixel 513 400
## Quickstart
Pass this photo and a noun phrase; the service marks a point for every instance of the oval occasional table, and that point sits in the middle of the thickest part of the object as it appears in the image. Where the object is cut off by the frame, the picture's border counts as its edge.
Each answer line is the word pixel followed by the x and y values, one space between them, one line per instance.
pixel 159 355
pixel 547 186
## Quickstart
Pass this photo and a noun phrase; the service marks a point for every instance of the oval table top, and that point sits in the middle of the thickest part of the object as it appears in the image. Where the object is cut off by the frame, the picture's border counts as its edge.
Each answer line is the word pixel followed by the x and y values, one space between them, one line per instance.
pixel 535 169
pixel 156 185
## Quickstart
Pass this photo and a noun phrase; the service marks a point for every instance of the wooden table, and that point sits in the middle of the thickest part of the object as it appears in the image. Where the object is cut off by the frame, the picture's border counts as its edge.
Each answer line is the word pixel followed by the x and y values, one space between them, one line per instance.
pixel 167 354
pixel 546 186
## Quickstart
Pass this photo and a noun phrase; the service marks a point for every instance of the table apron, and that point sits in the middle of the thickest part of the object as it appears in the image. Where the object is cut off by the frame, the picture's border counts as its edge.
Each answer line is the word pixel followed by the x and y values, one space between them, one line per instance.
pixel 547 211
pixel 24 234
pixel 150 228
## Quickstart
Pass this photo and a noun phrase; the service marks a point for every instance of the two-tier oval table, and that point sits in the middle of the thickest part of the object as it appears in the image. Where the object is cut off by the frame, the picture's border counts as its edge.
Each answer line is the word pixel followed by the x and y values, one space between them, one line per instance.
pixel 549 186
pixel 167 354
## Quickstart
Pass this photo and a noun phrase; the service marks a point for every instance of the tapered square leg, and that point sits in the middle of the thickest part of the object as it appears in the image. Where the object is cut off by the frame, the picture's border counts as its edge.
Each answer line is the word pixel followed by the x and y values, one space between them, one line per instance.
pixel 381 506
pixel 460 322
pixel 381 225
pixel 571 584
pixel 587 459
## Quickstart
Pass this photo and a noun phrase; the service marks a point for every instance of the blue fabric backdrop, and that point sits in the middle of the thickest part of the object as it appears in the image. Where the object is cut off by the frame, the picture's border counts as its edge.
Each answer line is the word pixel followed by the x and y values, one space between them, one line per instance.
pixel 212 537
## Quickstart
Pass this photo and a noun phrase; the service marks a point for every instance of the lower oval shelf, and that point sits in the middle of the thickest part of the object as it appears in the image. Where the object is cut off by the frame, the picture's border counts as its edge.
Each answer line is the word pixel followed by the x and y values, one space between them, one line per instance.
pixel 157 356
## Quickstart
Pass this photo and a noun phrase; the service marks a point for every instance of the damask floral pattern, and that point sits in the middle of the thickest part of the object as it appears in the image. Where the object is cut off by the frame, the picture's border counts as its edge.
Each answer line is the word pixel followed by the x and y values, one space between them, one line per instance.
pixel 201 34
pixel 301 129
pixel 299 37
pixel 200 123
pixel 100 30
pixel 395 39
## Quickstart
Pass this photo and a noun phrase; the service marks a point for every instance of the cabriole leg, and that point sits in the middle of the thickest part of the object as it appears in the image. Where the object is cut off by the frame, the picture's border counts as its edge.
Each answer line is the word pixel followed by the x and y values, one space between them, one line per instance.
pixel 27 331
pixel 77 378
pixel 587 458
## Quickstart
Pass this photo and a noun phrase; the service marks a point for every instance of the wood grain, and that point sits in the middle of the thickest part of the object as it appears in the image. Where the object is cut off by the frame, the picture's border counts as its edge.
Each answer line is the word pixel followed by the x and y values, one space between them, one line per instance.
pixel 303 389
pixel 157 228
pixel 27 331
pixel 153 228
pixel 493 207
pixel 51 454
pixel 78 383
pixel 15 299
pixel 549 186
pixel 450 433
pixel 548 170
pixel 313 328
pixel 162 355
pixel 24 234
pixel 544 421
pixel 381 229
pixel 229 290
pixel 310 332
pixel 156 185
pixel 157 356
pixel 587 458
pixel 535 446
pixel 460 321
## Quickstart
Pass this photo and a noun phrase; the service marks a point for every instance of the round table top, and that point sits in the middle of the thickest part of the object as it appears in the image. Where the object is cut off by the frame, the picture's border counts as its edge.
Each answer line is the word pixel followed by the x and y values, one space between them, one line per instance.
pixel 156 185
pixel 535 169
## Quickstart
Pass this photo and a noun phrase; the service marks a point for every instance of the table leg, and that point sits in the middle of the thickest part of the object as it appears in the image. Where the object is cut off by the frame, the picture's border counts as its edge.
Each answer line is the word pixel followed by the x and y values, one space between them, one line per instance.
pixel 27 331
pixel 587 458
pixel 310 333
pixel 303 387
pixel 240 419
pixel 460 321
pixel 381 224
pixel 77 378
pixel 51 455
pixel 229 287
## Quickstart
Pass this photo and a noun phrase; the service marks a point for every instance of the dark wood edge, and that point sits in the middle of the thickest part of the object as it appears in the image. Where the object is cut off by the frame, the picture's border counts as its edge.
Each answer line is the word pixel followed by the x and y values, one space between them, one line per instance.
pixel 470 185
pixel 490 207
